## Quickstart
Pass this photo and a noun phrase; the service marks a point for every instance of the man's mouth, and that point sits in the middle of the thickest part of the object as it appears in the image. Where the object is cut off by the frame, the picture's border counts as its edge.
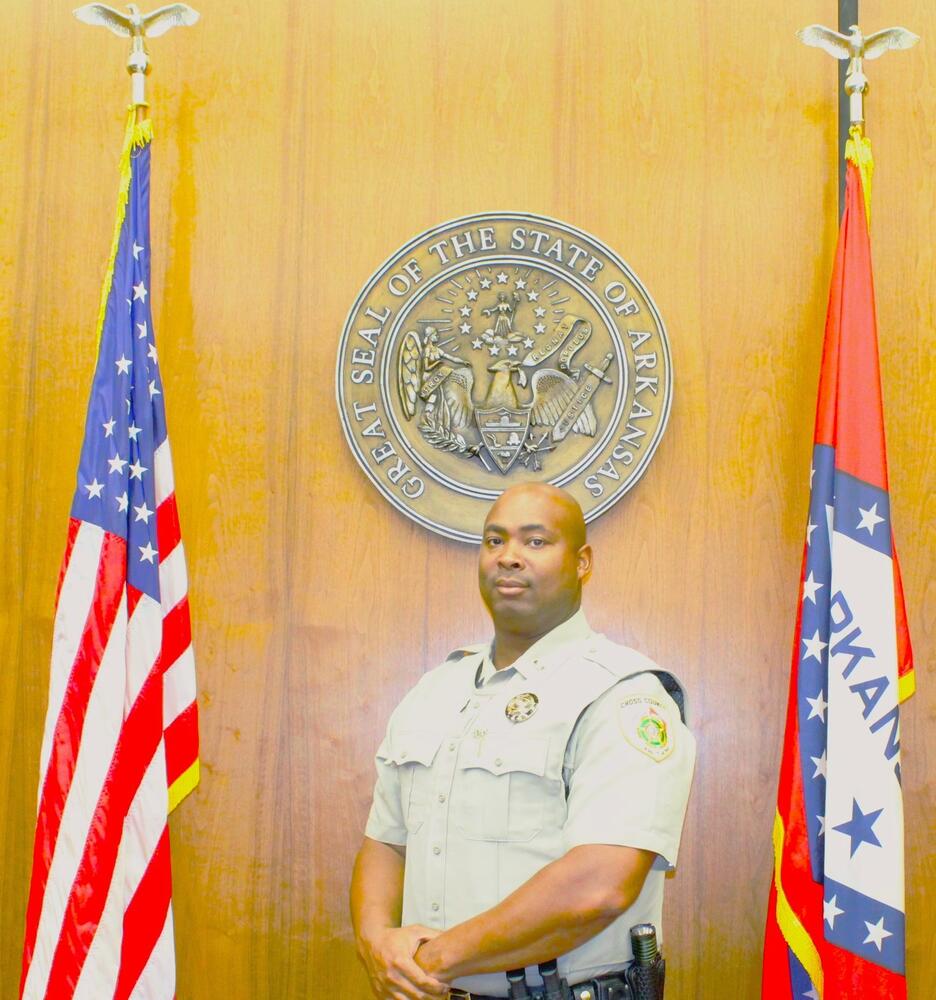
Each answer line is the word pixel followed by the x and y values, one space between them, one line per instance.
pixel 508 586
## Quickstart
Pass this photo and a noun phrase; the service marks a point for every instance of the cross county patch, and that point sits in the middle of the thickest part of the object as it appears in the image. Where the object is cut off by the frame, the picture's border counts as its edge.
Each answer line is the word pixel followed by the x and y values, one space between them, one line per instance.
pixel 646 726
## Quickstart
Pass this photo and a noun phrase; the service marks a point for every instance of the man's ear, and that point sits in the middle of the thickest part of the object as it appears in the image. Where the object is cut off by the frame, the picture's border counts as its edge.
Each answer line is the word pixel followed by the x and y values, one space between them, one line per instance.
pixel 584 557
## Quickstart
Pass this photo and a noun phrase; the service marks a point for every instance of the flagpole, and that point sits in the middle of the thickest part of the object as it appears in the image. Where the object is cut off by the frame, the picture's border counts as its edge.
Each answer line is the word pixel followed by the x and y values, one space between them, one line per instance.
pixel 847 16
pixel 138 27
pixel 857 48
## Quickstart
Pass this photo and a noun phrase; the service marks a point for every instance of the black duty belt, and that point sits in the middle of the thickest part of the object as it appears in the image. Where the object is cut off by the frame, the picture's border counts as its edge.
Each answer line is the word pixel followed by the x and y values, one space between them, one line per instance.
pixel 611 986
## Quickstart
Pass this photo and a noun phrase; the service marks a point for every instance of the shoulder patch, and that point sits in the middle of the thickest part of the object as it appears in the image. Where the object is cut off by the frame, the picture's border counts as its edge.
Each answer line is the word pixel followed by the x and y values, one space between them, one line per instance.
pixel 645 724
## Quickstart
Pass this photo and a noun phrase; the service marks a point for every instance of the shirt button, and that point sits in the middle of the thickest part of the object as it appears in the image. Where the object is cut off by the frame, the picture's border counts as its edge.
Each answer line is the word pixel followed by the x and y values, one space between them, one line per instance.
pixel 437 849
pixel 451 746
pixel 442 796
pixel 498 762
pixel 435 907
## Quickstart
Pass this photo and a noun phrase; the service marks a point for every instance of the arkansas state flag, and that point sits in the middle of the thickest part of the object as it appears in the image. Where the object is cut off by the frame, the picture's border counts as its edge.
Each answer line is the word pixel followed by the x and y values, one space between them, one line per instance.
pixel 835 923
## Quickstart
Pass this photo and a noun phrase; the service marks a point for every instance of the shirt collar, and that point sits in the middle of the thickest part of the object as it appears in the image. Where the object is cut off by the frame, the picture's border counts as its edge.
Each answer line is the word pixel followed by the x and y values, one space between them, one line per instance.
pixel 573 629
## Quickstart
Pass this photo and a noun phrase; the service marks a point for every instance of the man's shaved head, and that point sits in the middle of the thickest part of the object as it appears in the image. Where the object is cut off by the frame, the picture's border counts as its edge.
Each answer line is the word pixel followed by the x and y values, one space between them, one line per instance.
pixel 568 513
pixel 534 559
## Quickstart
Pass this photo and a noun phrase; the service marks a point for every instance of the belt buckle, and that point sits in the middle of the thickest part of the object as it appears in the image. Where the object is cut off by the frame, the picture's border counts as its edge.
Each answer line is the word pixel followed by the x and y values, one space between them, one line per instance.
pixel 456 993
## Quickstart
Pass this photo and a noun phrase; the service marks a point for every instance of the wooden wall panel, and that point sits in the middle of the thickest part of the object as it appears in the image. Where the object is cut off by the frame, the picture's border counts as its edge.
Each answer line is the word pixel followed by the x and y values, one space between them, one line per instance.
pixel 296 148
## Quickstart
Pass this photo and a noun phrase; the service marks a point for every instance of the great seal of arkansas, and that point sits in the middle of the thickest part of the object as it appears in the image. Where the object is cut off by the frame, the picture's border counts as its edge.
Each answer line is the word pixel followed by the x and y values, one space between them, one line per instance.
pixel 498 349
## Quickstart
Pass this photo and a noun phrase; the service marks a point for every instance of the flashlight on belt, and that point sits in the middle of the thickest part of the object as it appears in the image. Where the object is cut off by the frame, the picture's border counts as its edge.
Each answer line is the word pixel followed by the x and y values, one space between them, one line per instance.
pixel 647 973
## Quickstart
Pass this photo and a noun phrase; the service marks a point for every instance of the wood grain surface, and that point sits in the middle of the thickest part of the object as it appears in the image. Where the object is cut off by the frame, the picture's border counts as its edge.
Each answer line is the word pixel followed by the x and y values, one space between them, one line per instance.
pixel 297 145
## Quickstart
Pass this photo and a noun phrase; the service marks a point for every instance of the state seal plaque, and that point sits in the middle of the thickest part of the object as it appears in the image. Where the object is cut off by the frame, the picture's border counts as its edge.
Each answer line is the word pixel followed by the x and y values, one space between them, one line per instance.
pixel 498 349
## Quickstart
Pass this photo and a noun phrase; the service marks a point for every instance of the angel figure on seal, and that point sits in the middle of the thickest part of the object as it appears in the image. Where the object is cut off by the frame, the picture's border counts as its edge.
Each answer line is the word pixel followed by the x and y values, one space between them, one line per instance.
pixel 441 380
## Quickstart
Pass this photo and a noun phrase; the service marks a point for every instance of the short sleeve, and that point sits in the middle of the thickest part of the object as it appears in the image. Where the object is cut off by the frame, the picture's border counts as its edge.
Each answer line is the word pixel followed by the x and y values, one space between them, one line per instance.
pixel 628 769
pixel 386 822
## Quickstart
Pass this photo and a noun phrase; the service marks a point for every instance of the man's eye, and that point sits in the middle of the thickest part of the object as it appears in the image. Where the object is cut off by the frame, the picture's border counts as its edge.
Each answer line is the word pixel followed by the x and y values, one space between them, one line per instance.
pixel 491 542
pixel 536 542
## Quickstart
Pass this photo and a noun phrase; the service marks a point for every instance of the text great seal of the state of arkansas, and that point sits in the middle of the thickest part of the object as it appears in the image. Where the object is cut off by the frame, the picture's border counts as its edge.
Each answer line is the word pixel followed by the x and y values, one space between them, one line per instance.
pixel 498 349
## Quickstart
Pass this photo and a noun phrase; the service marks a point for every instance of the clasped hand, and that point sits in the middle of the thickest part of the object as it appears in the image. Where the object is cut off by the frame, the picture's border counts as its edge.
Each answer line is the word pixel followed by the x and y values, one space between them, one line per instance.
pixel 391 965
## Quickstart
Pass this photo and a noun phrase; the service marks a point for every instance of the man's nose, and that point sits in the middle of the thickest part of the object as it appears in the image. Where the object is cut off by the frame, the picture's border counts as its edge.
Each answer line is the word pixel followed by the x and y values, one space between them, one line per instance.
pixel 509 556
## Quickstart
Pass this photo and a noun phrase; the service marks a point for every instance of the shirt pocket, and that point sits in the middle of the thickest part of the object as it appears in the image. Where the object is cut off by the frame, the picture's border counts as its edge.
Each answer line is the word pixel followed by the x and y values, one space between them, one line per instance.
pixel 412 753
pixel 504 791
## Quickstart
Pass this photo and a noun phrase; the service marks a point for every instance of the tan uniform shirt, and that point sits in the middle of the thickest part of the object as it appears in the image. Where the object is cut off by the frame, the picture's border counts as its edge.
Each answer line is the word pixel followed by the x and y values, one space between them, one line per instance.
pixel 484 793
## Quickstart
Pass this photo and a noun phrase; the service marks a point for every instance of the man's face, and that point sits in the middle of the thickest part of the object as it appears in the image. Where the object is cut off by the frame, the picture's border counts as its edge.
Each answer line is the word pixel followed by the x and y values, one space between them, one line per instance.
pixel 533 560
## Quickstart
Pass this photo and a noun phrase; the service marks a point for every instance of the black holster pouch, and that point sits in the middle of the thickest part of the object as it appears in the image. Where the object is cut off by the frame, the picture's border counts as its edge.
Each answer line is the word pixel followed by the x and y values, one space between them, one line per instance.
pixel 646 981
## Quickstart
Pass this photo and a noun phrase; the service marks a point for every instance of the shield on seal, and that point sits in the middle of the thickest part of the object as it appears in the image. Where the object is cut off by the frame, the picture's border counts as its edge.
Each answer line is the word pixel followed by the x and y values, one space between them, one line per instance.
pixel 503 432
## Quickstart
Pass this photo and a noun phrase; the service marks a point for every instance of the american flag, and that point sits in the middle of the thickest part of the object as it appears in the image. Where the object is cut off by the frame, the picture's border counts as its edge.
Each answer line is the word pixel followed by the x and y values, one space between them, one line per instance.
pixel 120 746
pixel 835 924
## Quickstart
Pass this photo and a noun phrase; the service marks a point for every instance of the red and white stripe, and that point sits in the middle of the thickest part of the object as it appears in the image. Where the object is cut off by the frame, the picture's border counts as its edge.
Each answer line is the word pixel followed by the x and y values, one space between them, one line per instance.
pixel 121 727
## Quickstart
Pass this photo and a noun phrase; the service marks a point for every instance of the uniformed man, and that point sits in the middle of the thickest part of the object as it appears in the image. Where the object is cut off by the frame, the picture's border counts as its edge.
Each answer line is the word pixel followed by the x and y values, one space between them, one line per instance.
pixel 531 790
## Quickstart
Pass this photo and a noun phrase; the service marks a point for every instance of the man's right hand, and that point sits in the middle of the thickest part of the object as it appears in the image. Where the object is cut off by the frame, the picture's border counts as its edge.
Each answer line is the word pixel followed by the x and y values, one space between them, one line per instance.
pixel 393 971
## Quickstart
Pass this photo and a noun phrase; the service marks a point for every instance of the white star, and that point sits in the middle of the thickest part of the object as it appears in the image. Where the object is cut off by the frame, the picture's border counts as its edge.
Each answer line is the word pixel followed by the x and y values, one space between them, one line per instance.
pixel 820 763
pixel 485 282
pixel 540 311
pixel 520 284
pixel 465 310
pixel 532 296
pixel 122 501
pixel 123 365
pixel 136 250
pixel 528 342
pixel 134 431
pixel 151 354
pixel 502 278
pixel 129 306
pixel 94 488
pixel 876 933
pixel 143 513
pixel 476 345
pixel 810 528
pixel 830 911
pixel 821 825
pixel 116 464
pixel 493 351
pixel 812 472
pixel 465 328
pixel 540 328
pixel 810 994
pixel 870 519
pixel 814 647
pixel 153 391
pixel 512 351
pixel 147 553
pixel 128 403
pixel 139 292
pixel 142 331
pixel 137 470
pixel 819 706
pixel 109 427
pixel 472 294
pixel 810 586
